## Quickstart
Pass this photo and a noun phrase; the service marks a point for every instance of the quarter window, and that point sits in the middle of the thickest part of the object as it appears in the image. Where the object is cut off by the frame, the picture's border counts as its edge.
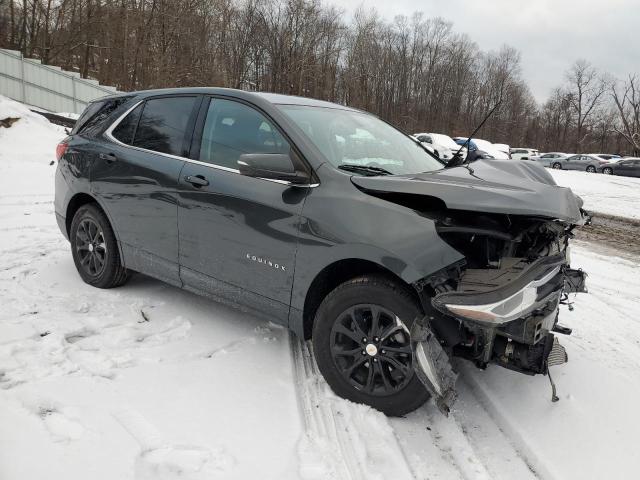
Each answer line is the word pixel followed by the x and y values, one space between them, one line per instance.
pixel 125 130
pixel 163 124
pixel 232 129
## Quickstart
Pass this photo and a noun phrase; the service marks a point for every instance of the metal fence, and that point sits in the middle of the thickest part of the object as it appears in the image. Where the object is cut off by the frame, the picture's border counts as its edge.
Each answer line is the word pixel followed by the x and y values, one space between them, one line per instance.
pixel 51 88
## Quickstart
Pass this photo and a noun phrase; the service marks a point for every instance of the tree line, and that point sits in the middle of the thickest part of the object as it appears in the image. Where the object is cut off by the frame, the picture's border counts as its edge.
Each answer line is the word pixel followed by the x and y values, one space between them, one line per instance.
pixel 416 72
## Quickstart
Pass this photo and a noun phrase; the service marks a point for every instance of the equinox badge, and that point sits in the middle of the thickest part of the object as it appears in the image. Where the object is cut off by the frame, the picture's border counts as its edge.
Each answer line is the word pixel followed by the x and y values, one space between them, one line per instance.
pixel 264 261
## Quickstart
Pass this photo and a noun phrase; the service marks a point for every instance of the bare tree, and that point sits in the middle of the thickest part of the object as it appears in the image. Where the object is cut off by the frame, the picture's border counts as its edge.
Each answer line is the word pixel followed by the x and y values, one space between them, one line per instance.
pixel 627 101
pixel 585 92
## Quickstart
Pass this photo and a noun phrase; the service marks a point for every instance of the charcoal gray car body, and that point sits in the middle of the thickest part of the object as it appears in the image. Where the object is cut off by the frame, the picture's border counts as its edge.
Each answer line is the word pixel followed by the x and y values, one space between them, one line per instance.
pixel 277 248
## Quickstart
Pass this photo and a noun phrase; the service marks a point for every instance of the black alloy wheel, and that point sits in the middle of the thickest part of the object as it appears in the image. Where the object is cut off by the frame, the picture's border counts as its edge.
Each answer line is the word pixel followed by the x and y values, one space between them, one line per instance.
pixel 371 348
pixel 91 247
pixel 94 248
pixel 362 343
pixel 557 166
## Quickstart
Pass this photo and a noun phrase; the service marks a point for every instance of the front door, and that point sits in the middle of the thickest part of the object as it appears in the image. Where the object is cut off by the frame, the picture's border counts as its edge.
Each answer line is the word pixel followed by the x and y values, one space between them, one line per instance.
pixel 238 235
pixel 135 178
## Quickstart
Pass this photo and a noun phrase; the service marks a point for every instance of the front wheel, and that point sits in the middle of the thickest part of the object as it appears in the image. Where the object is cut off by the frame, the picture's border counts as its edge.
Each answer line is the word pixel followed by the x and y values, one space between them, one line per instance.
pixel 557 166
pixel 362 344
pixel 591 169
pixel 94 248
pixel 607 171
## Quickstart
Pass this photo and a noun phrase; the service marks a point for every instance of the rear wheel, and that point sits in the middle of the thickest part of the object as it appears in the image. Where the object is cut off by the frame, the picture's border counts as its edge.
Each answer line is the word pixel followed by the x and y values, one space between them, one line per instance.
pixel 95 250
pixel 362 344
pixel 607 171
pixel 591 169
pixel 557 166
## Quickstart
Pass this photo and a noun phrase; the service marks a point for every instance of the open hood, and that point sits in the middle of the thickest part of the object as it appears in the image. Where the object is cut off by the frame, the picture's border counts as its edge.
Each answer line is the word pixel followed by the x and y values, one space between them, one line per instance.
pixel 491 186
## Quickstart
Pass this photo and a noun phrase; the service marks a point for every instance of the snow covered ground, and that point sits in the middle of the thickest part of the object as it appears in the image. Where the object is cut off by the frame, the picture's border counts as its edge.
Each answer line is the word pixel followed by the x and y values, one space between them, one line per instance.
pixel 609 194
pixel 151 382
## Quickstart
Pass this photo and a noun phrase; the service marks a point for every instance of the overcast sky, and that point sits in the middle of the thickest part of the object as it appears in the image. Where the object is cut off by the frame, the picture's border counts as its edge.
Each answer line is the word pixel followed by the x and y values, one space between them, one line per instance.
pixel 550 34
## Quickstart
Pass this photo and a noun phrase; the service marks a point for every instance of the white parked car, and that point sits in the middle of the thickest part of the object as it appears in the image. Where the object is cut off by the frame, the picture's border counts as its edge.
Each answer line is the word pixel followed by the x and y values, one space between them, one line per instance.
pixel 524 153
pixel 504 148
pixel 442 145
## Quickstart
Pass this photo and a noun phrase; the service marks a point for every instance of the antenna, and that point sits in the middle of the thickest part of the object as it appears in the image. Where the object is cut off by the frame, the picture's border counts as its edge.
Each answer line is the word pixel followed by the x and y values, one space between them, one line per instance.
pixel 468 141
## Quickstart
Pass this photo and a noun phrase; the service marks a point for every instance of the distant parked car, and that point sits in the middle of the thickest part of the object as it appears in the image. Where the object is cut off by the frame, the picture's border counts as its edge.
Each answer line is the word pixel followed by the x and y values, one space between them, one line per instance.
pixel 584 162
pixel 523 153
pixel 442 145
pixel 504 148
pixel 485 146
pixel 547 159
pixel 607 156
pixel 473 153
pixel 627 167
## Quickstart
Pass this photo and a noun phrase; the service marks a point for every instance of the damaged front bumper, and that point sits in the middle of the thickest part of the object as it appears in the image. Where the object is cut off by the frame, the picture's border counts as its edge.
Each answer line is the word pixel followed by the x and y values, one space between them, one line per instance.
pixel 503 316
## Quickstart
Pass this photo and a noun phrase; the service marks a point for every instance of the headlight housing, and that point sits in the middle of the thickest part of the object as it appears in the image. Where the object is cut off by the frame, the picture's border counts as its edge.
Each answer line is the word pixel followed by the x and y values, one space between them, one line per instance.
pixel 540 284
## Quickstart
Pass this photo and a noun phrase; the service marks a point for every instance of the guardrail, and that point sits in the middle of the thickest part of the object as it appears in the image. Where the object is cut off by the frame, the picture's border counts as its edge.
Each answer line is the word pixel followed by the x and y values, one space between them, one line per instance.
pixel 28 81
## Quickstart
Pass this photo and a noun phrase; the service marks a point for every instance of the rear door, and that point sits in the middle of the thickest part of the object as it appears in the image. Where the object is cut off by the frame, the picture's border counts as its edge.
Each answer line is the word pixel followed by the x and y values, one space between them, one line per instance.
pixel 136 176
pixel 238 235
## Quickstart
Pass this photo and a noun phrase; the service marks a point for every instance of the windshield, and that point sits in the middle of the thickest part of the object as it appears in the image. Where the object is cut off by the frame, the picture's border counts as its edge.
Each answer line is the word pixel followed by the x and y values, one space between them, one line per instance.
pixel 348 138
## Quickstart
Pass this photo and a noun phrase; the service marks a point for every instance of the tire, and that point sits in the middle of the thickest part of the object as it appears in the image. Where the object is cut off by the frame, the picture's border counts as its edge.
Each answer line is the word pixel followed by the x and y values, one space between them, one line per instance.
pixel 591 169
pixel 392 390
pixel 607 171
pixel 95 249
pixel 557 166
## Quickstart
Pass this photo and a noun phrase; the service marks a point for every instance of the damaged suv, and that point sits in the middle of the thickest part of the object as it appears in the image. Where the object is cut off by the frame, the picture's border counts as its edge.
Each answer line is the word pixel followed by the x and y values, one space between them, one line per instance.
pixel 328 221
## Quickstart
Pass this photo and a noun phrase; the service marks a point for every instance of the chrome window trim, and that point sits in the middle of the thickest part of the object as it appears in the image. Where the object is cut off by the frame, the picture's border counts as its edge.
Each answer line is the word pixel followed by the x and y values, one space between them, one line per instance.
pixel 108 133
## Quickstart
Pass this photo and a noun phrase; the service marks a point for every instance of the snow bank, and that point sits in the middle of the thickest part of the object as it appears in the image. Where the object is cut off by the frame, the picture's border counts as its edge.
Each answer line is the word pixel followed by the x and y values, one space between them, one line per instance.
pixel 608 194
pixel 89 388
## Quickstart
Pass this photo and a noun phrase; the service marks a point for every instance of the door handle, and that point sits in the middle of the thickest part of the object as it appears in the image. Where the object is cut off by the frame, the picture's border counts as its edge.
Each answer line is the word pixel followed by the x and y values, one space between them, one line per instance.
pixel 108 157
pixel 196 180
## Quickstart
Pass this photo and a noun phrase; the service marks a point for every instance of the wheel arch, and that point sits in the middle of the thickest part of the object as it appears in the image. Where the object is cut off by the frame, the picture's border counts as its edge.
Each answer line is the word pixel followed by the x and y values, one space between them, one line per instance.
pixel 333 275
pixel 76 202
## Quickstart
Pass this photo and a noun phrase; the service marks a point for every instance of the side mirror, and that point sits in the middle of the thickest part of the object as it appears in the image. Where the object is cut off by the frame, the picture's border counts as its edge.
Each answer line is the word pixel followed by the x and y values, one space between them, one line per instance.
pixel 271 166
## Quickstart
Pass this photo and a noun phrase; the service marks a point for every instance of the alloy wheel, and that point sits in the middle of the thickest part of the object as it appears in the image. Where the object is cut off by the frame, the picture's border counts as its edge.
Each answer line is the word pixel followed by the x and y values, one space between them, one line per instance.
pixel 557 166
pixel 371 348
pixel 91 247
pixel 591 169
pixel 607 171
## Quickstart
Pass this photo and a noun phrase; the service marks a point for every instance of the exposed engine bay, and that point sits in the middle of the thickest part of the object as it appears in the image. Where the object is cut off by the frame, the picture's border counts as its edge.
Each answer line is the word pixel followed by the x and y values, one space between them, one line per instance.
pixel 500 304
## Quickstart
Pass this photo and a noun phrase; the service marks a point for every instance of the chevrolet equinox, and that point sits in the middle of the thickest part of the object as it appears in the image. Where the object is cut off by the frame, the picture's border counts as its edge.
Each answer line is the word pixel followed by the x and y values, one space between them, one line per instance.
pixel 331 222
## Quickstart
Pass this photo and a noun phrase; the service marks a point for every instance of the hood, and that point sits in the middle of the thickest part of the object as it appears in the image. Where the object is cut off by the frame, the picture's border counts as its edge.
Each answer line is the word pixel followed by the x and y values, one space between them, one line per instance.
pixel 495 186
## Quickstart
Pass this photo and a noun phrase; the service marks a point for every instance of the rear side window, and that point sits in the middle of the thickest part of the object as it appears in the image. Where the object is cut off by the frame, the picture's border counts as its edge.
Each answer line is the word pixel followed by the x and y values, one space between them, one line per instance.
pixel 232 129
pixel 163 124
pixel 125 130
pixel 93 117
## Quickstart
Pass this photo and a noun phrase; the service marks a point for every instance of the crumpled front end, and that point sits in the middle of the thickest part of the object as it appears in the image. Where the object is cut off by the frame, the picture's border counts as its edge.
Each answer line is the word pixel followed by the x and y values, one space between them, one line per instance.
pixel 501 304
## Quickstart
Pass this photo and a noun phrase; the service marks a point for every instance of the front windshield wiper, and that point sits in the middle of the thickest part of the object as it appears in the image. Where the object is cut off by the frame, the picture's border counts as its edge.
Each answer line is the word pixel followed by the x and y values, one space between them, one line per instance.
pixel 364 169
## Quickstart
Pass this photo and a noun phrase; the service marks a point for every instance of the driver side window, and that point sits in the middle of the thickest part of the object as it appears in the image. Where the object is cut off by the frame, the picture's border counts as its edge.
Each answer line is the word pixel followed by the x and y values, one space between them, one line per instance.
pixel 232 129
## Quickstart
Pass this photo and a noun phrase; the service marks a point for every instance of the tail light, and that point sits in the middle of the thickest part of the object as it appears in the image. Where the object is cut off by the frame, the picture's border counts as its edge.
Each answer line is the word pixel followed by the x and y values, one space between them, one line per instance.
pixel 61 148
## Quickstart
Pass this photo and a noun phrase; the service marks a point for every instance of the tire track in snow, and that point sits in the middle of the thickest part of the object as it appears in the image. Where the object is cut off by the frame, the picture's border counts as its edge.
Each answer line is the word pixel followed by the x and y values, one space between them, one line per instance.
pixel 467 445
pixel 342 440
pixel 515 437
